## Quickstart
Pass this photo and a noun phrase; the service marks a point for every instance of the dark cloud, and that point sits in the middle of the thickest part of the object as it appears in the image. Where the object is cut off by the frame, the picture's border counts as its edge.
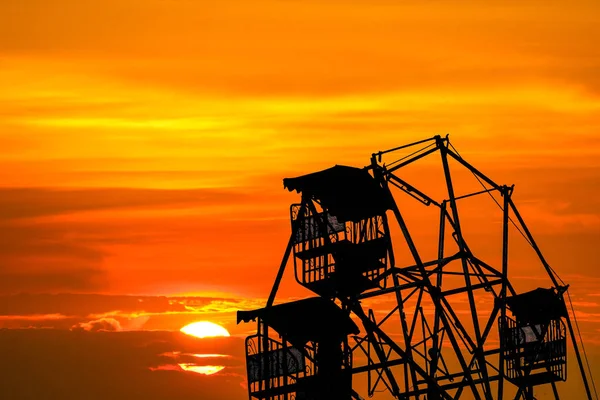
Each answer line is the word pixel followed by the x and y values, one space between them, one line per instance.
pixel 36 202
pixel 78 254
pixel 61 279
pixel 68 255
pixel 89 304
pixel 56 256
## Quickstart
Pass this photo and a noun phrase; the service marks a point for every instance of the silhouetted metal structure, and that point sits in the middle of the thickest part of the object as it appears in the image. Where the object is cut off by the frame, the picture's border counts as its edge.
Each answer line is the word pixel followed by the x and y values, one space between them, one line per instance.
pixel 341 246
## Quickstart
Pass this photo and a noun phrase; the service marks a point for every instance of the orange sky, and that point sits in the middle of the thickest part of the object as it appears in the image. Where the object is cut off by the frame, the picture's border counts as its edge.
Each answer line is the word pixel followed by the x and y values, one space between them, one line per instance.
pixel 143 143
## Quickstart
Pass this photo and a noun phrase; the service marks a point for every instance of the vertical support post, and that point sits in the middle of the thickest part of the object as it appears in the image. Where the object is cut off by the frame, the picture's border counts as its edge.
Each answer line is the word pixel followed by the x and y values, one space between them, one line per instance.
pixel 506 193
pixel 405 332
pixel 265 353
pixel 284 356
pixel 438 284
pixel 479 349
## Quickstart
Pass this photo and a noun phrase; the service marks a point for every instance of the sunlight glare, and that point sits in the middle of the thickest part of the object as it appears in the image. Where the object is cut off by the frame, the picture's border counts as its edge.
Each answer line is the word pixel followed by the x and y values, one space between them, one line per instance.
pixel 202 369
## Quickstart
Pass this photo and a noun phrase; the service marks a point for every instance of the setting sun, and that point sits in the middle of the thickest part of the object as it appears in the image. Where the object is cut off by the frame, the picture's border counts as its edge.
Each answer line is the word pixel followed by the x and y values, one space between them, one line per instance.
pixel 202 369
pixel 204 329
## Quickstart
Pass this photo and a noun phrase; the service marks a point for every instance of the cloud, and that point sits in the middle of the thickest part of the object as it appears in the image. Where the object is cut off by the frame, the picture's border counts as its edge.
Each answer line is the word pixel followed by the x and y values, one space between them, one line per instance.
pixel 93 312
pixel 18 203
pixel 97 306
pixel 33 317
pixel 137 323
pixel 103 324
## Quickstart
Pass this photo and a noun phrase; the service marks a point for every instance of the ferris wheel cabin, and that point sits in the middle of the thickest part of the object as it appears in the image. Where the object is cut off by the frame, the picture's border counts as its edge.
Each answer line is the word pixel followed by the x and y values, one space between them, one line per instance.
pixel 535 342
pixel 300 351
pixel 341 243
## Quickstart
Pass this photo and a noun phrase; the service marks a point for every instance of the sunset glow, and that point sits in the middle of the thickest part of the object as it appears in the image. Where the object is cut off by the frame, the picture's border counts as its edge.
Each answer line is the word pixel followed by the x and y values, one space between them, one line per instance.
pixel 143 146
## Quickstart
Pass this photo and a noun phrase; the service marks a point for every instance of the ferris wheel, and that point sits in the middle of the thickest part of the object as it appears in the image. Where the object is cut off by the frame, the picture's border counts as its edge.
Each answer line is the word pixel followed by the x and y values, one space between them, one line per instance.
pixel 440 323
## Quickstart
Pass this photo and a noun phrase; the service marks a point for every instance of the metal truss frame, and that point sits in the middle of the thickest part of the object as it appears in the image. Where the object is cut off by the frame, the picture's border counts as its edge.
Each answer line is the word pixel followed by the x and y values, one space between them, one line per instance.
pixel 417 365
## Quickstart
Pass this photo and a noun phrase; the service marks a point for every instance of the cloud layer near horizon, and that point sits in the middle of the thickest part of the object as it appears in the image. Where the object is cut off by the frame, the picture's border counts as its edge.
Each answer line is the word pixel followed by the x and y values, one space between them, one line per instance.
pixel 94 312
